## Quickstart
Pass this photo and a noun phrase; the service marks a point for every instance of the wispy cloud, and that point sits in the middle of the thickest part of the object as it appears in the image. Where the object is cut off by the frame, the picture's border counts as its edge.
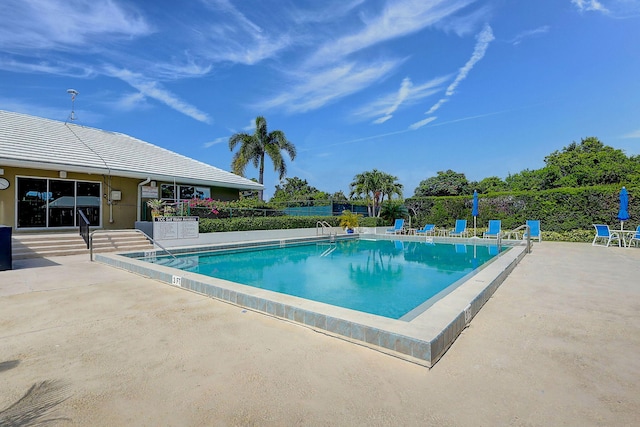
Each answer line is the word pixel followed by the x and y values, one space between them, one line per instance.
pixel 463 25
pixel 529 33
pixel 403 93
pixel 619 9
pixel 154 89
pixel 60 25
pixel 383 108
pixel 634 134
pixel 399 18
pixel 216 141
pixel 54 67
pixel 418 125
pixel 321 88
pixel 130 102
pixel 335 69
pixel 326 12
pixel 589 5
pixel 84 117
pixel 234 37
pixel 483 40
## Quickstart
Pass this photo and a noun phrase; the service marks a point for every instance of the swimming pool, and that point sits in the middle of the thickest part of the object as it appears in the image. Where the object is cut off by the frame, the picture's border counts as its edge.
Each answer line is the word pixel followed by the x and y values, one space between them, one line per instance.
pixel 421 336
pixel 388 278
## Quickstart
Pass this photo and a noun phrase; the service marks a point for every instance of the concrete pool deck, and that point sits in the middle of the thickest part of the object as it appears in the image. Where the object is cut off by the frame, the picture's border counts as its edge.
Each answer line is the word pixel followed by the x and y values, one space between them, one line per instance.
pixel 88 344
pixel 421 338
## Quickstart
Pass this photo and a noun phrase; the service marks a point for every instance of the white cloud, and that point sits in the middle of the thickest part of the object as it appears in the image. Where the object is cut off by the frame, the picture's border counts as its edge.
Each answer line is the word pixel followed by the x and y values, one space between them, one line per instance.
pixel 634 134
pixel 216 141
pixel 436 106
pixel 418 125
pixel 610 8
pixel 589 5
pixel 131 101
pixel 59 68
pixel 383 108
pixel 318 89
pixel 327 12
pixel 233 37
pixel 399 18
pixel 62 24
pixel 153 89
pixel 483 40
pixel 403 93
pixel 465 24
pixel 530 33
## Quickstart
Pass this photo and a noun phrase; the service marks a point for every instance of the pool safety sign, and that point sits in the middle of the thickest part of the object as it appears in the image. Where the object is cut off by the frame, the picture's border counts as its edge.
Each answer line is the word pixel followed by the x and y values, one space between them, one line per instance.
pixel 175 227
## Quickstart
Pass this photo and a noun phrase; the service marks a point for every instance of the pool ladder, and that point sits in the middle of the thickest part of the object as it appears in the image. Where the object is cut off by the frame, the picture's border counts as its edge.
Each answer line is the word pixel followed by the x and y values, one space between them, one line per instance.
pixel 328 251
pixel 321 226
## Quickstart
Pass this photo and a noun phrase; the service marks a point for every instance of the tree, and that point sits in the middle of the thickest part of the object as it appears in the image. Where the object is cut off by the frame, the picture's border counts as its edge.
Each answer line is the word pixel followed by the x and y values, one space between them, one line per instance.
pixel 585 164
pixel 254 147
pixel 491 184
pixel 373 186
pixel 296 189
pixel 526 180
pixel 339 197
pixel 447 183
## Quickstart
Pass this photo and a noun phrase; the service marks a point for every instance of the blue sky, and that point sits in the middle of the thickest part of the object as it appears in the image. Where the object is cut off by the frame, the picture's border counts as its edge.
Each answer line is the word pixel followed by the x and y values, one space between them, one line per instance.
pixel 408 87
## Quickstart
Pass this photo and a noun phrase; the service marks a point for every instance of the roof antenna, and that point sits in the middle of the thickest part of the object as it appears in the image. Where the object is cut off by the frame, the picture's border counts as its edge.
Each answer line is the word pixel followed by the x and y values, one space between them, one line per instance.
pixel 73 94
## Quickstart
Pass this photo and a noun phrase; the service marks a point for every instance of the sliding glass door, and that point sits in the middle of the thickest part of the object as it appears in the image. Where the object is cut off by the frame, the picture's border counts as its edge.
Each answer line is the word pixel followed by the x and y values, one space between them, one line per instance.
pixel 52 203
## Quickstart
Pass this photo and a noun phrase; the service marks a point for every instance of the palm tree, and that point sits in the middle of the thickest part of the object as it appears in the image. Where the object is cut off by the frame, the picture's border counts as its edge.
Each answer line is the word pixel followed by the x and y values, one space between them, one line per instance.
pixel 390 186
pixel 254 147
pixel 374 186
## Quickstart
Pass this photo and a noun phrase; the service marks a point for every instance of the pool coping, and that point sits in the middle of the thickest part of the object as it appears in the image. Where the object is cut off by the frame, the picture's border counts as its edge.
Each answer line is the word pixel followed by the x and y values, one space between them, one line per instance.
pixel 422 340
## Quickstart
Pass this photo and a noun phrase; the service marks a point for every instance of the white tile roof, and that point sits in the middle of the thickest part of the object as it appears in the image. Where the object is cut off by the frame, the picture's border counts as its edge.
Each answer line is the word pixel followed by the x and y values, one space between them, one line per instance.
pixel 28 141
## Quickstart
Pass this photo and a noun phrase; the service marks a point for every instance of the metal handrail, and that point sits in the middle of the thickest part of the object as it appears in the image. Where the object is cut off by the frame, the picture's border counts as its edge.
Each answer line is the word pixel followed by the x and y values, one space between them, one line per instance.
pixel 84 226
pixel 528 233
pixel 324 225
pixel 126 231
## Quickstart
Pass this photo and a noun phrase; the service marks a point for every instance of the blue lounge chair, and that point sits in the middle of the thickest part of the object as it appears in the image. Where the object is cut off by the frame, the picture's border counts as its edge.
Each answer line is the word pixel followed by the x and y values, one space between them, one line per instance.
pixel 397 227
pixel 534 228
pixel 460 230
pixel 603 233
pixel 495 229
pixel 427 230
pixel 635 238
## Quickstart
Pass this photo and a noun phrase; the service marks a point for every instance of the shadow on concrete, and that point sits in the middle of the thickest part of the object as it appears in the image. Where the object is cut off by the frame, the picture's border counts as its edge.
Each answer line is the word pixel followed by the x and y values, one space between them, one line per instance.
pixel 37 406
pixel 32 263
pixel 9 364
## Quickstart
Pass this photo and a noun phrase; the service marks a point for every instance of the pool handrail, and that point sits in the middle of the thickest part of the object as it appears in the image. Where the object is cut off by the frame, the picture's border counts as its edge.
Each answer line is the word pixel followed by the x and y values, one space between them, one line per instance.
pixel 527 235
pixel 90 244
pixel 323 225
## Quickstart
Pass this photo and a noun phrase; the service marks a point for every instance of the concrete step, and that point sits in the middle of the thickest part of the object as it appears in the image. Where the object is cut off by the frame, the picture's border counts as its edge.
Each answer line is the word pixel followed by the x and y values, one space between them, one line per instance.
pixel 58 244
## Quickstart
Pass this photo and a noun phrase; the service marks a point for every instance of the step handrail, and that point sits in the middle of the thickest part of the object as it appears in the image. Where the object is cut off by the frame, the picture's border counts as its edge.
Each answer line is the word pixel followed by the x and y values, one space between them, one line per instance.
pixel 528 233
pixel 323 225
pixel 83 225
pixel 126 231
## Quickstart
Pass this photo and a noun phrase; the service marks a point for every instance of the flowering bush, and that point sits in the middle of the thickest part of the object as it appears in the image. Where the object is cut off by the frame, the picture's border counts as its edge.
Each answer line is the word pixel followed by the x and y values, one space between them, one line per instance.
pixel 210 204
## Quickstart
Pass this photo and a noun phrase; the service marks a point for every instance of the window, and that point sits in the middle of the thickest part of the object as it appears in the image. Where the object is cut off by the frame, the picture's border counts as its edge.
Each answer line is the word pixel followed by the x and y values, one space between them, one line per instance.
pixel 167 191
pixel 54 202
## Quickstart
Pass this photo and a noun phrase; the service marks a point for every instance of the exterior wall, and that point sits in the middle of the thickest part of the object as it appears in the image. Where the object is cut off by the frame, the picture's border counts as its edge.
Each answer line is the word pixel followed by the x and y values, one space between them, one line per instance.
pixel 119 215
pixel 224 194
pixel 7 198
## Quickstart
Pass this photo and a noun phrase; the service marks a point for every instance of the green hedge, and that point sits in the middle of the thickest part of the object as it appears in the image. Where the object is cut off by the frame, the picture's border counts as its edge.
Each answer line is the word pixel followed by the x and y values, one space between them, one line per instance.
pixel 559 210
pixel 274 223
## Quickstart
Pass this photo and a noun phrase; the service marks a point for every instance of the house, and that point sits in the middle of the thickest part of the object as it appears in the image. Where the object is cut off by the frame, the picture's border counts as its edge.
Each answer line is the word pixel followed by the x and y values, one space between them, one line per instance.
pixel 50 170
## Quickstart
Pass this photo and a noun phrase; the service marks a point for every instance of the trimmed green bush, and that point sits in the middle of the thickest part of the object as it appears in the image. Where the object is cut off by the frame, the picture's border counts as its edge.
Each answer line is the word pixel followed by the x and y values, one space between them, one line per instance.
pixel 561 210
pixel 274 223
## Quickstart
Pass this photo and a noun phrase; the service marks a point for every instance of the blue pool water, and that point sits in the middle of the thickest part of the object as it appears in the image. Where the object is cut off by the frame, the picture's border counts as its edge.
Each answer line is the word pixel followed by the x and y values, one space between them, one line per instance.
pixel 384 277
